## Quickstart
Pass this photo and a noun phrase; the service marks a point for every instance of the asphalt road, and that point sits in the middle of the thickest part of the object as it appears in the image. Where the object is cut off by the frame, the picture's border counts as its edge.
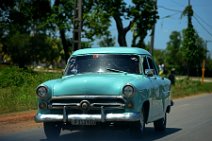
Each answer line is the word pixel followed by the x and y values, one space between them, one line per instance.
pixel 189 120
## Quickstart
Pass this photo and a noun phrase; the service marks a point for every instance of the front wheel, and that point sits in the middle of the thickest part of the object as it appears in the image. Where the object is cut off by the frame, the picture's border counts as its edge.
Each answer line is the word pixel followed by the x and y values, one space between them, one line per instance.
pixel 52 130
pixel 160 125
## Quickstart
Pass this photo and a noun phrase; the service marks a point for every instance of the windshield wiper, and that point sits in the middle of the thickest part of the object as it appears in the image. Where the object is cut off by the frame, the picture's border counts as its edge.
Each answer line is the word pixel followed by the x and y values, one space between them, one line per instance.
pixel 115 70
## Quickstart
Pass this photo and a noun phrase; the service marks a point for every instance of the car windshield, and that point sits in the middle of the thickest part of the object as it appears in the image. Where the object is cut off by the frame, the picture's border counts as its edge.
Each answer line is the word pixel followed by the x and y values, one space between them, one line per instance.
pixel 103 63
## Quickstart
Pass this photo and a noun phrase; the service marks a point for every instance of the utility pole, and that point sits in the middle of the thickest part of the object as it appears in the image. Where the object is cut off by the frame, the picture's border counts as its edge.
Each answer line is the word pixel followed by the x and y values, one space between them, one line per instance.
pixel 153 33
pixel 76 44
pixel 190 14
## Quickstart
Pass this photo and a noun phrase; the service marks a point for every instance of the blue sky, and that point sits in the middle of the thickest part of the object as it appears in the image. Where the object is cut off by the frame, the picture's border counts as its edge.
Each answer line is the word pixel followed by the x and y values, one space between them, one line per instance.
pixel 202 21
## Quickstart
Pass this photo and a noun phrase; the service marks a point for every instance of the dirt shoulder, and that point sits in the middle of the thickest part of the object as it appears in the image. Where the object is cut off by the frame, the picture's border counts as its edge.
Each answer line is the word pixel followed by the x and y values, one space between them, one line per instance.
pixel 19 121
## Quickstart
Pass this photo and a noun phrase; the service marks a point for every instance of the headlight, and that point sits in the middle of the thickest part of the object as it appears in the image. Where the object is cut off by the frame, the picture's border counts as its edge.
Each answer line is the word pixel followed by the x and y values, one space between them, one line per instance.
pixel 128 91
pixel 42 92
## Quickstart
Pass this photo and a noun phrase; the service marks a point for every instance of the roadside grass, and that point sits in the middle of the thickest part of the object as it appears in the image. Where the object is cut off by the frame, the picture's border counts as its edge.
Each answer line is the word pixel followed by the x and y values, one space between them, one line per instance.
pixel 189 87
pixel 17 88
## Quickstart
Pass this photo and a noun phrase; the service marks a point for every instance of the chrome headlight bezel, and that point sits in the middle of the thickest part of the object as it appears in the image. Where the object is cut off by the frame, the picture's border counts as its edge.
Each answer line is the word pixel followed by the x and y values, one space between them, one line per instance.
pixel 128 91
pixel 42 92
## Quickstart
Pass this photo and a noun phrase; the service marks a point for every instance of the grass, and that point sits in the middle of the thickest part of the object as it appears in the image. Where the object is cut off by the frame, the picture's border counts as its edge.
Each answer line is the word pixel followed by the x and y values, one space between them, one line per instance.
pixel 188 87
pixel 17 88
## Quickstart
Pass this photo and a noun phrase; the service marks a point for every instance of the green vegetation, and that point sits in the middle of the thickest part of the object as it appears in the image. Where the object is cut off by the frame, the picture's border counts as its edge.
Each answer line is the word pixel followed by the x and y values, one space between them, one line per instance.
pixel 43 35
pixel 17 88
pixel 42 22
pixel 189 60
pixel 188 87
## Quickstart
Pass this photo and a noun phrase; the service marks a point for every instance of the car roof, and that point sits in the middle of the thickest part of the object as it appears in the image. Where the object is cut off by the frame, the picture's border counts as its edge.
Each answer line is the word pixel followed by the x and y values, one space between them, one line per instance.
pixel 112 50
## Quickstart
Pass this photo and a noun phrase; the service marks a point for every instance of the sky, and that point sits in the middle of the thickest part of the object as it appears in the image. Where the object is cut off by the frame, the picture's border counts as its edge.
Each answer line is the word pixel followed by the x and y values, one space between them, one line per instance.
pixel 202 21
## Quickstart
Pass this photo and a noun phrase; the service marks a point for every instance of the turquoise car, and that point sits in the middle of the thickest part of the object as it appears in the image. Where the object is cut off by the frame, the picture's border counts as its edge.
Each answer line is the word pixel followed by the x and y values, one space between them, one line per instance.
pixel 111 86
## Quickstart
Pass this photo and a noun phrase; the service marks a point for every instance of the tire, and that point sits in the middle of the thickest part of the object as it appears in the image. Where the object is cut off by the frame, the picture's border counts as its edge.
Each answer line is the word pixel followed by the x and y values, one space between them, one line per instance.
pixel 137 128
pixel 52 130
pixel 160 125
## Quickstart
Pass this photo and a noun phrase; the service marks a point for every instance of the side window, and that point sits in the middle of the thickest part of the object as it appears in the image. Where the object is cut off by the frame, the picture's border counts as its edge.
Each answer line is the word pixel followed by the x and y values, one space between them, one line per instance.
pixel 152 65
pixel 145 64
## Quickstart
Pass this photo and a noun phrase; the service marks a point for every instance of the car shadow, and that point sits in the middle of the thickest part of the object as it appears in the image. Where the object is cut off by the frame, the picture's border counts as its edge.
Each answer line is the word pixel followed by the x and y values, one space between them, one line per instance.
pixel 113 135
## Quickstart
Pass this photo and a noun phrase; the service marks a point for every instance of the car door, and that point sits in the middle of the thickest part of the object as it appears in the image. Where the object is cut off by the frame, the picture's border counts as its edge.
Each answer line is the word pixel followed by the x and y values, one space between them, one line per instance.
pixel 156 102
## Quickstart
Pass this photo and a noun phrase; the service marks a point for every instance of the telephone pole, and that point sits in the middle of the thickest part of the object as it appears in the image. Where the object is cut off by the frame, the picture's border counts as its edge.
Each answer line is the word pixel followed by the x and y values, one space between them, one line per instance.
pixel 190 14
pixel 76 44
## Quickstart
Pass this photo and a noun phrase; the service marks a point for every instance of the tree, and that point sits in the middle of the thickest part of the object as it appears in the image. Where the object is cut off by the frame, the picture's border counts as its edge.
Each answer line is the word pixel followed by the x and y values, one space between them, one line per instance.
pixel 25 50
pixel 172 53
pixel 145 15
pixel 53 17
pixel 142 13
pixel 37 17
pixel 61 18
pixel 18 49
pixel 96 21
pixel 186 52
pixel 193 51
pixel 46 50
pixel 15 32
pixel 107 41
pixel 159 56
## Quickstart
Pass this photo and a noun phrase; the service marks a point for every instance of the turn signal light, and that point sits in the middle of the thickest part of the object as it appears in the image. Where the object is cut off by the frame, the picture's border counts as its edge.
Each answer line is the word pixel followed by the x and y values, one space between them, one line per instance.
pixel 42 105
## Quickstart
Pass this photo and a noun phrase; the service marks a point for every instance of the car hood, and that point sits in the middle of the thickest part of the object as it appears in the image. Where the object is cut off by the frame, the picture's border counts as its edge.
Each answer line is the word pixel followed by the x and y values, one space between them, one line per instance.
pixel 92 84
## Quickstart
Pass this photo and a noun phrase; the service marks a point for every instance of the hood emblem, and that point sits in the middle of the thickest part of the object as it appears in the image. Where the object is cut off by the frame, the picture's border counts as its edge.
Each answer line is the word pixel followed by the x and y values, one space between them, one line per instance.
pixel 84 104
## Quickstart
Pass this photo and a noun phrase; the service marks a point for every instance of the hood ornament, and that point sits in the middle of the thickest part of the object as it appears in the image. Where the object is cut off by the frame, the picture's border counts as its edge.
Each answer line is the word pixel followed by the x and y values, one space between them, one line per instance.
pixel 85 105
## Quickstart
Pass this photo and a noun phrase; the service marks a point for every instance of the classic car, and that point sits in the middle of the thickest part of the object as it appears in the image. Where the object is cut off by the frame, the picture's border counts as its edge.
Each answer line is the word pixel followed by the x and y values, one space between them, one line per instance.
pixel 111 86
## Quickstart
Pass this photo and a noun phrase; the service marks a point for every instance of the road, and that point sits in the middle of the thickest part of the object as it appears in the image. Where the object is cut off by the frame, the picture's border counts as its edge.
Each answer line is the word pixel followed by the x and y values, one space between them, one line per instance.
pixel 190 119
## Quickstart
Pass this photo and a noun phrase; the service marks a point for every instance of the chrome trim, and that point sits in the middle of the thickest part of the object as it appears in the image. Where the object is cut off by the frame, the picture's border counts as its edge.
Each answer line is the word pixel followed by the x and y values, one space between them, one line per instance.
pixel 121 105
pixel 91 106
pixel 56 102
pixel 64 114
pixel 50 106
pixel 130 116
pixel 87 97
pixel 99 117
pixel 102 114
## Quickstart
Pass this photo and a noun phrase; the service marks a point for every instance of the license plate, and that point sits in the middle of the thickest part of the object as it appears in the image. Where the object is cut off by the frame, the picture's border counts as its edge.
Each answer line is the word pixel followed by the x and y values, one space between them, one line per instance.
pixel 83 122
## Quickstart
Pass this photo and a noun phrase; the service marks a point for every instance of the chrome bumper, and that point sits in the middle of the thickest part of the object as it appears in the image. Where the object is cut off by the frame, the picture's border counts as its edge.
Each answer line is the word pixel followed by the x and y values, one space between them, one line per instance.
pixel 96 117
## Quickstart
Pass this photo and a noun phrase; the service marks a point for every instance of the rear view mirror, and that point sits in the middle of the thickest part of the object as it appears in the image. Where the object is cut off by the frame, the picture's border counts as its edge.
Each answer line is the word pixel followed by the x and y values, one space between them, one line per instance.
pixel 149 72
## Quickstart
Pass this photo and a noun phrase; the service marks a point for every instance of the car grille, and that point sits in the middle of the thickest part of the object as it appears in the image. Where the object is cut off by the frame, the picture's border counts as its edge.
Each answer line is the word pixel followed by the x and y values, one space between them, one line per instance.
pixel 88 104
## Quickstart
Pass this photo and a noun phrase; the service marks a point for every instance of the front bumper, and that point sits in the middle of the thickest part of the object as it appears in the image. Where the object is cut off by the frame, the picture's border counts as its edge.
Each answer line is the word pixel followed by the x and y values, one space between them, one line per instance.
pixel 86 103
pixel 130 116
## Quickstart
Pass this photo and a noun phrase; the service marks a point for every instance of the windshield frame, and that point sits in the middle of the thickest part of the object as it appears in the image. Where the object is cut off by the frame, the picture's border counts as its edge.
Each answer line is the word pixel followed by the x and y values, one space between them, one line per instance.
pixel 108 69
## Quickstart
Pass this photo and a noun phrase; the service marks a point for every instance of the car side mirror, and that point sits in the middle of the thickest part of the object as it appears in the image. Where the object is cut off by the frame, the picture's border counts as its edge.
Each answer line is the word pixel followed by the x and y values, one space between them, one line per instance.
pixel 149 72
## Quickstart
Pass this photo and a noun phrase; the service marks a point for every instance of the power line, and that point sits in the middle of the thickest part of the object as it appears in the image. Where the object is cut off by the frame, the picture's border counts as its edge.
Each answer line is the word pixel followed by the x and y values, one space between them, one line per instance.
pixel 203 20
pixel 169 9
pixel 177 3
pixel 202 26
pixel 168 16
